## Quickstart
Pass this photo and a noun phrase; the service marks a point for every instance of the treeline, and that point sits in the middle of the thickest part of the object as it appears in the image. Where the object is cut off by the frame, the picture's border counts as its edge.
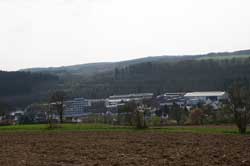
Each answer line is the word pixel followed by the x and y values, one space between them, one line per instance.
pixel 18 89
pixel 22 88
pixel 17 83
pixel 185 75
pixel 190 75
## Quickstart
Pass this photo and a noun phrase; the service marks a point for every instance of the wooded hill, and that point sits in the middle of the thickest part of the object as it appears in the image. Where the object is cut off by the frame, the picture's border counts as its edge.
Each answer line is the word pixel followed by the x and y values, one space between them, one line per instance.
pixel 215 71
pixel 160 77
pixel 23 87
pixel 95 68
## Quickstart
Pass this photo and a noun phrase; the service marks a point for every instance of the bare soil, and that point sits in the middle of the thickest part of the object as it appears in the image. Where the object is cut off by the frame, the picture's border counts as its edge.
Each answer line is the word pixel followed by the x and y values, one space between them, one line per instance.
pixel 123 148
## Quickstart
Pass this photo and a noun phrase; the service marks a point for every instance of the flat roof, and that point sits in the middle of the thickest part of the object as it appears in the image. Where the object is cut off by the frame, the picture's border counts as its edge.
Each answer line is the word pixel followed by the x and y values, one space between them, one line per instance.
pixel 203 94
pixel 132 95
pixel 174 93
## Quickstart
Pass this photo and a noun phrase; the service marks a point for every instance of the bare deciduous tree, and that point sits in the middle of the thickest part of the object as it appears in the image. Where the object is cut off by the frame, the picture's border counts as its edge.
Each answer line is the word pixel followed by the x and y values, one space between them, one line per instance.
pixel 240 104
pixel 57 98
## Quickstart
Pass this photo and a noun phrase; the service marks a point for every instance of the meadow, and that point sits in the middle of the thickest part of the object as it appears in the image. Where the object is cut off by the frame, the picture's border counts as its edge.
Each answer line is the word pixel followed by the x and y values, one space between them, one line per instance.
pixel 212 129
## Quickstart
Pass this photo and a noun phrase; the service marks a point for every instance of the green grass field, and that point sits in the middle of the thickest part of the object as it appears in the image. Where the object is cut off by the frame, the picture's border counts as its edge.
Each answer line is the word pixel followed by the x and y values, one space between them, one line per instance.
pixel 110 128
pixel 63 128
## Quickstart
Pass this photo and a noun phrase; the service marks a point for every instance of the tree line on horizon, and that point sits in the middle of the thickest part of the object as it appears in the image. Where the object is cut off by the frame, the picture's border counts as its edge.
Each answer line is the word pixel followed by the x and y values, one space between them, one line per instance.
pixel 154 77
pixel 183 76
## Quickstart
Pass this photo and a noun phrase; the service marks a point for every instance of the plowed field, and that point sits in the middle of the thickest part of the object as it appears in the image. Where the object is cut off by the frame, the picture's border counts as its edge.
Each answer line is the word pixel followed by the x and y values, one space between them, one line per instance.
pixel 123 148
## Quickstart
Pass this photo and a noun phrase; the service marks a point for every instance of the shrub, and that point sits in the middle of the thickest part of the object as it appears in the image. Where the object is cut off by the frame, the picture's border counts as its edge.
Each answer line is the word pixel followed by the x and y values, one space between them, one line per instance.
pixel 197 116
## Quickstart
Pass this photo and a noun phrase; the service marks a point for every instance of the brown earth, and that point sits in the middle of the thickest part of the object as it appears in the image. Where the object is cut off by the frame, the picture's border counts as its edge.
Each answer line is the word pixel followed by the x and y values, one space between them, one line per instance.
pixel 123 148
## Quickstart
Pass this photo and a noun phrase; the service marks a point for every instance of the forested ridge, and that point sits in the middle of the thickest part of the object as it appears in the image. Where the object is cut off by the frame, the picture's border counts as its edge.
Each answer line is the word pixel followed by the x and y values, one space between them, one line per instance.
pixel 14 83
pixel 96 68
pixel 22 88
pixel 189 75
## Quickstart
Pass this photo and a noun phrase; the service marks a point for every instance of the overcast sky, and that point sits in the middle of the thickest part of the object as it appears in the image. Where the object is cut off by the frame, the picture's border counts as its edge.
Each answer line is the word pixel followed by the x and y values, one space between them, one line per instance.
pixel 40 33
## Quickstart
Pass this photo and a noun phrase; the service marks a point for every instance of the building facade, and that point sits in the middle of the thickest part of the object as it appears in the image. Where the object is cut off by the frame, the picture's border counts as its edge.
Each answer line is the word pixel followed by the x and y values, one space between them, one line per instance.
pixel 76 107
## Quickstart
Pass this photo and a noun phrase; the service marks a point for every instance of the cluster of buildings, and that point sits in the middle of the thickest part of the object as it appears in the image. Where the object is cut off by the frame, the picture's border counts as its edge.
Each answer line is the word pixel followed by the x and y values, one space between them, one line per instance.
pixel 11 118
pixel 189 100
pixel 79 108
pixel 215 99
pixel 113 103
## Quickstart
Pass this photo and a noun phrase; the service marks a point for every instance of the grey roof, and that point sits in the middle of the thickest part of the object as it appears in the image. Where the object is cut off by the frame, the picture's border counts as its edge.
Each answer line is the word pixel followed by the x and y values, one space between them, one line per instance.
pixel 132 95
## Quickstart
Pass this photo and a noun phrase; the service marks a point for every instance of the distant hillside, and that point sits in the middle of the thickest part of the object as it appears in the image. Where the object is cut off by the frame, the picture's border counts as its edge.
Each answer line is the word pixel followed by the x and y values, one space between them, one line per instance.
pixel 160 77
pixel 23 86
pixel 96 68
pixel 214 71
pixel 84 69
pixel 226 55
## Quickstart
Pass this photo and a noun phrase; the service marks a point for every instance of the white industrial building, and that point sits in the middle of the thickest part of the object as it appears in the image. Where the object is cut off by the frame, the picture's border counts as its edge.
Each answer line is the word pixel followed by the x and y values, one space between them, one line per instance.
pixel 213 98
pixel 203 96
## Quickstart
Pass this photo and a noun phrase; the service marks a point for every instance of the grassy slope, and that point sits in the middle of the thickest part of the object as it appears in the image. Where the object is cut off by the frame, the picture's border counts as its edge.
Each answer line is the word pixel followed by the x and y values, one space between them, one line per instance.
pixel 103 127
